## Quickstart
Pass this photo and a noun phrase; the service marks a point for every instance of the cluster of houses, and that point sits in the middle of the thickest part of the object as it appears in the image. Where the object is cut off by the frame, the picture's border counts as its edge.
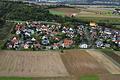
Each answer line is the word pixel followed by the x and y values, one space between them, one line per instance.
pixel 105 37
pixel 43 36
pixel 37 36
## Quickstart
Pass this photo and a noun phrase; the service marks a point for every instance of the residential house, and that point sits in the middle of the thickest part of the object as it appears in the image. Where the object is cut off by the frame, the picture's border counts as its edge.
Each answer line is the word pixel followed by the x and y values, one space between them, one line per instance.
pixel 67 43
pixel 18 32
pixel 45 40
pixel 55 46
pixel 93 25
pixel 84 46
pixel 99 44
pixel 26 46
pixel 37 45
pixel 14 40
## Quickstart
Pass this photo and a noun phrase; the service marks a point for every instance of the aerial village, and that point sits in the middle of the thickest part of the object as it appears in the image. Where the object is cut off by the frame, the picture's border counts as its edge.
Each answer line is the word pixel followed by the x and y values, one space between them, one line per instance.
pixel 42 36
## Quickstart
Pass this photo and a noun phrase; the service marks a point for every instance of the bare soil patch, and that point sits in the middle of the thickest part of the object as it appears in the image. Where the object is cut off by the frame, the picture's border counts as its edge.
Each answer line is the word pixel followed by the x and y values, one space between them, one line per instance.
pixel 31 64
pixel 79 62
pixel 107 63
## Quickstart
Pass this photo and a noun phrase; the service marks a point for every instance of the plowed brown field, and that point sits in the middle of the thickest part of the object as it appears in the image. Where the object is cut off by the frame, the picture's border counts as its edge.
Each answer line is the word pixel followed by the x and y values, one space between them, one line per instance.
pixel 53 65
pixel 79 62
pixel 109 77
pixel 32 64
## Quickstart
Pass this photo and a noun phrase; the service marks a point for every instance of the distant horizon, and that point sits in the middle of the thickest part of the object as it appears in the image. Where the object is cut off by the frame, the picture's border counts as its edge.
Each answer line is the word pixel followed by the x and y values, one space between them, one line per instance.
pixel 77 0
pixel 116 2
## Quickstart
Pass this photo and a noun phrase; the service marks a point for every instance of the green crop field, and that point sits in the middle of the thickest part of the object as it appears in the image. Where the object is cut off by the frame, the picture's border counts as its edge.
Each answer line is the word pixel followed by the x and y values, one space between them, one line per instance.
pixel 89 77
pixel 57 12
pixel 109 20
pixel 15 78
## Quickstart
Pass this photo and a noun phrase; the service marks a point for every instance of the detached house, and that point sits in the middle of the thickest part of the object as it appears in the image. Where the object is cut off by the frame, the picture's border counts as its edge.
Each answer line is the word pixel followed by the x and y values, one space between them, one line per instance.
pixel 17 27
pixel 67 43
pixel 84 46
pixel 37 45
pixel 45 40
pixel 14 40
pixel 55 46
pixel 26 46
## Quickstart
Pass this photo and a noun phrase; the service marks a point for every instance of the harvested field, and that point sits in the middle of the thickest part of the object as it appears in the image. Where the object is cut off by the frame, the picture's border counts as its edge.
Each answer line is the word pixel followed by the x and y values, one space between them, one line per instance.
pixel 112 55
pixel 117 52
pixel 53 65
pixel 109 77
pixel 79 62
pixel 31 64
pixel 108 64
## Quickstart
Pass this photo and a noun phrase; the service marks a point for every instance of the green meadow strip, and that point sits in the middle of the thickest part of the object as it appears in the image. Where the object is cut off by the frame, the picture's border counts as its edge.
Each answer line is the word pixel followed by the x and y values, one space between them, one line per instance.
pixel 89 77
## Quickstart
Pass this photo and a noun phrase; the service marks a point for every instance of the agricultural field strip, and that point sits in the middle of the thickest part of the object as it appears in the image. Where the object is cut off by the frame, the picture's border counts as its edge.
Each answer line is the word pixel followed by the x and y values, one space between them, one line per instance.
pixel 88 12
pixel 98 16
pixel 108 64
pixel 109 77
pixel 113 59
pixel 80 62
pixel 54 78
pixel 117 52
pixel 33 64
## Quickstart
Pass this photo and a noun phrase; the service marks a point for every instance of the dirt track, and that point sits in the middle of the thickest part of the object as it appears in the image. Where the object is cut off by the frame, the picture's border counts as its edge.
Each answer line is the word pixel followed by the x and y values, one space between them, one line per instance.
pixel 108 64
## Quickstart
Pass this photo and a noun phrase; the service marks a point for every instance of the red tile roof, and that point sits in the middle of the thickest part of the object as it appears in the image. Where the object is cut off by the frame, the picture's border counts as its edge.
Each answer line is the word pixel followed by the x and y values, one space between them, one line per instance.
pixel 68 42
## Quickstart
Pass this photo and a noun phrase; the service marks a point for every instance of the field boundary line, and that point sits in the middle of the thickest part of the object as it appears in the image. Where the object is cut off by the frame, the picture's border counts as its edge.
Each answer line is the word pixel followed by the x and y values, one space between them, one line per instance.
pixel 118 53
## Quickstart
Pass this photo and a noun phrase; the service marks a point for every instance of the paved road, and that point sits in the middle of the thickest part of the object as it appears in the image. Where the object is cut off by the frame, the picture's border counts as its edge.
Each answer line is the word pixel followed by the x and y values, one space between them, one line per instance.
pixel 87 35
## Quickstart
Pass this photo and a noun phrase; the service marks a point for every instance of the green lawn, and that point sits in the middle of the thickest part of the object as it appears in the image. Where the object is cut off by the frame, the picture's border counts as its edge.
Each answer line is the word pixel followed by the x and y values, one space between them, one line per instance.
pixel 89 77
pixel 109 20
pixel 15 78
pixel 57 12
